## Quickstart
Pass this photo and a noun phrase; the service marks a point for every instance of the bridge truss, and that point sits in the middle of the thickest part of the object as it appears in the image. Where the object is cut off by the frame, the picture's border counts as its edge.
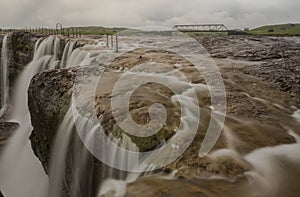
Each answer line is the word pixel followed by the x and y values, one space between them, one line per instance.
pixel 201 28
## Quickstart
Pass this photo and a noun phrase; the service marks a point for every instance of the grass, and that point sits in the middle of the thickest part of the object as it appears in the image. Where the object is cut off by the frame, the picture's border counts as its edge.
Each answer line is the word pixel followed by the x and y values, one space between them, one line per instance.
pixel 95 30
pixel 282 29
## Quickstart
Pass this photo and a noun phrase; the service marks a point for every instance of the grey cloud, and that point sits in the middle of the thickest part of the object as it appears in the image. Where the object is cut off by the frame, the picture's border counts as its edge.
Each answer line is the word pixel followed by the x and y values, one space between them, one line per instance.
pixel 233 13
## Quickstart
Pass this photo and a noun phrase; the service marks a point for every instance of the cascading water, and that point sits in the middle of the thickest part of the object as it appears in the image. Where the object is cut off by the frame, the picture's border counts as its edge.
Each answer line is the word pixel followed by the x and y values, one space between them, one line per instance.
pixel 76 57
pixel 67 53
pixel 37 43
pixel 4 76
pixel 81 172
pixel 117 154
pixel 56 52
pixel 56 47
pixel 43 58
pixel 17 160
pixel 57 165
pixel 115 181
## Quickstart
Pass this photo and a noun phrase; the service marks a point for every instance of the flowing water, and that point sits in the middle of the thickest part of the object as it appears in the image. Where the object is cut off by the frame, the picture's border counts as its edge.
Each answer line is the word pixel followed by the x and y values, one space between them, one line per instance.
pixel 76 57
pixel 67 53
pixel 271 167
pixel 18 162
pixel 4 76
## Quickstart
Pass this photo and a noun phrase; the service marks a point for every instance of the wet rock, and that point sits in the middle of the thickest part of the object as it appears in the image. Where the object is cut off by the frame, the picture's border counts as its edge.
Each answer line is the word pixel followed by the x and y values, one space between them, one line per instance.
pixel 141 99
pixel 247 184
pixel 21 49
pixel 280 57
pixel 252 122
pixel 252 48
pixel 20 53
pixel 193 187
pixel 285 73
pixel 6 131
pixel 49 98
pixel 51 90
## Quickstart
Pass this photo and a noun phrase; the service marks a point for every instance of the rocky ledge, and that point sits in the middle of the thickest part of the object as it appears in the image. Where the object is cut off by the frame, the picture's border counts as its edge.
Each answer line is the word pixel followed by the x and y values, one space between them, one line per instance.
pixel 254 108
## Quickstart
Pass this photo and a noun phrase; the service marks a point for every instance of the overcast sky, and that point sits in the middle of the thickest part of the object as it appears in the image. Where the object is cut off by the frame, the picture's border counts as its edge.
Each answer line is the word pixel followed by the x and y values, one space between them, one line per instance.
pixel 232 13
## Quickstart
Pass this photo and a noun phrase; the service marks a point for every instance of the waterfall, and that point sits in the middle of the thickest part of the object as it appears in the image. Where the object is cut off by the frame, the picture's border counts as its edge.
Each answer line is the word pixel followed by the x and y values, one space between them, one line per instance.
pixel 4 76
pixel 77 57
pixel 56 47
pixel 42 60
pixel 37 43
pixel 18 162
pixel 82 172
pixel 67 53
pixel 72 44
pixel 114 150
pixel 55 63
pixel 80 134
pixel 59 152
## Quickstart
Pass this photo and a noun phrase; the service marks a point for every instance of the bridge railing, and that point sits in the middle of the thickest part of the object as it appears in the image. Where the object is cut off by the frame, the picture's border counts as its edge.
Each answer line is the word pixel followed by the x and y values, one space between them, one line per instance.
pixel 201 28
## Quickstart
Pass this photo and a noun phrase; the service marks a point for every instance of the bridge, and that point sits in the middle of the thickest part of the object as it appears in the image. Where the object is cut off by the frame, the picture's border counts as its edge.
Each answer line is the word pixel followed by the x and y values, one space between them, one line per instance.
pixel 201 28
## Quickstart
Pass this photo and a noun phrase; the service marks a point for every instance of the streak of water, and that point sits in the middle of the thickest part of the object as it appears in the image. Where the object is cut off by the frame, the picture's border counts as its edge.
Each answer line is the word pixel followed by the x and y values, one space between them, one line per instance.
pixel 17 160
pixel 4 76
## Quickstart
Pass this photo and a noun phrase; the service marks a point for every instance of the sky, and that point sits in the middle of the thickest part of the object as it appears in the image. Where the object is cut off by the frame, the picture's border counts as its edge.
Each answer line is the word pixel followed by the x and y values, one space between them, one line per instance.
pixel 134 13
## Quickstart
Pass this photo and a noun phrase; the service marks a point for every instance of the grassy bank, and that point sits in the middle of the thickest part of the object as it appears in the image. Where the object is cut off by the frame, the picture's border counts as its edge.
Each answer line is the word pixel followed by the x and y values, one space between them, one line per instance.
pixel 278 30
pixel 95 30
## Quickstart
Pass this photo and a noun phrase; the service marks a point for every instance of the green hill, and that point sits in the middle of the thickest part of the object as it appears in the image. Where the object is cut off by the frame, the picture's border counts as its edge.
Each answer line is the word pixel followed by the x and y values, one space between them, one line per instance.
pixel 96 30
pixel 282 29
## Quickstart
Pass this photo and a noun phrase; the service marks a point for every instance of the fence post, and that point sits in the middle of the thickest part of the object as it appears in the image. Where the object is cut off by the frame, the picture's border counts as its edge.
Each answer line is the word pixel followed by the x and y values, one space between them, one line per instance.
pixel 107 42
pixel 112 41
pixel 117 44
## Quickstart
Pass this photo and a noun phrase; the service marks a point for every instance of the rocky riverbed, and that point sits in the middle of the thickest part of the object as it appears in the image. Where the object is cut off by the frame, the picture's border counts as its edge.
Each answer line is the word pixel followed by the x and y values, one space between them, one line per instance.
pixel 261 78
pixel 274 59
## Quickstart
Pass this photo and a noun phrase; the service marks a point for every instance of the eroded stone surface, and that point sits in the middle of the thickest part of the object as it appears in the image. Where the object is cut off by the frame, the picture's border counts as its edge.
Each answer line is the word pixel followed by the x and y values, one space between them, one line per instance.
pixel 259 113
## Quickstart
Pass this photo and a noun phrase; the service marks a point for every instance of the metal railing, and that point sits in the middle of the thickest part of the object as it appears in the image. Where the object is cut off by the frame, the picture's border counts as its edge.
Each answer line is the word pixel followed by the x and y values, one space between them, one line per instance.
pixel 58 30
pixel 110 42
